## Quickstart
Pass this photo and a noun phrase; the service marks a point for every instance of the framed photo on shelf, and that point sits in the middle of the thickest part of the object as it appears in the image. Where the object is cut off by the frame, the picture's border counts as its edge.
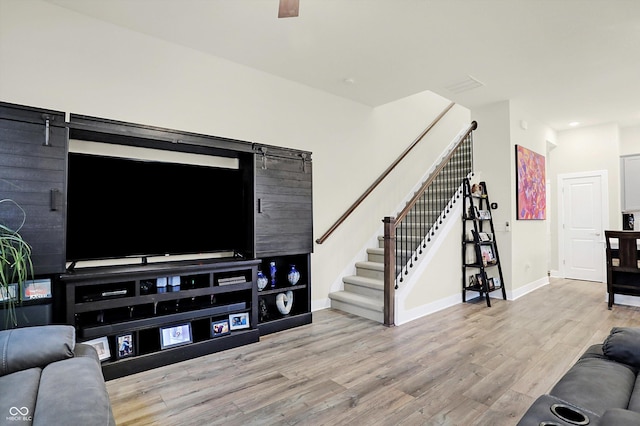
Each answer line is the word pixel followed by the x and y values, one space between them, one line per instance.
pixel 496 282
pixel 176 335
pixel 239 321
pixel 485 237
pixel 36 289
pixel 486 251
pixel 472 281
pixel 480 280
pixel 125 346
pixel 220 328
pixel 101 346
pixel 9 292
pixel 484 214
pixel 491 283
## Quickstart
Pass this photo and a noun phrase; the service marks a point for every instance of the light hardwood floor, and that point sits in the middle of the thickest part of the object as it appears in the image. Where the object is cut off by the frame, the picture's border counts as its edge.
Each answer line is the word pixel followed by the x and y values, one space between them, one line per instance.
pixel 466 365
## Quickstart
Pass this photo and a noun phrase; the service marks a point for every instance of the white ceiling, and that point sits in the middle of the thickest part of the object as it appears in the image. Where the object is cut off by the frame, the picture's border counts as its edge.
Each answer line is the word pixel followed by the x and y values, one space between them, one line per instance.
pixel 564 60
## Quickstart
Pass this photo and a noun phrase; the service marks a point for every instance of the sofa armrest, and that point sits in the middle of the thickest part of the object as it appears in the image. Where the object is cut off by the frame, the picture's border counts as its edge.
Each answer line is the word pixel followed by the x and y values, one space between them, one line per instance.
pixel 39 346
pixel 620 417
pixel 88 351
pixel 623 345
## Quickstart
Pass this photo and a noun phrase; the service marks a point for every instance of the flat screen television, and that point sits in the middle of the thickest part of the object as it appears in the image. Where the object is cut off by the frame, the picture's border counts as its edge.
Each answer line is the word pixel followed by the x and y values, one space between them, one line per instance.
pixel 123 207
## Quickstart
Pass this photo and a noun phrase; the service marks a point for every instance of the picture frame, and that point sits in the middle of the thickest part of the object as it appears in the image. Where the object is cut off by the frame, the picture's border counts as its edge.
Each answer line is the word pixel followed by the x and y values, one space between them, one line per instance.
pixel 472 281
pixel 9 293
pixel 491 283
pixel 484 214
pixel 487 254
pixel 220 328
pixel 239 321
pixel 531 202
pixel 101 345
pixel 125 346
pixel 480 280
pixel 497 283
pixel 176 335
pixel 36 289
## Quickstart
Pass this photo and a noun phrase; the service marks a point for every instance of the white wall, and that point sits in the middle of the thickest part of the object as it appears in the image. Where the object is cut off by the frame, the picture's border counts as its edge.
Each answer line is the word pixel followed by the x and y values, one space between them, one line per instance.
pixel 583 150
pixel 630 145
pixel 523 245
pixel 54 58
pixel 630 140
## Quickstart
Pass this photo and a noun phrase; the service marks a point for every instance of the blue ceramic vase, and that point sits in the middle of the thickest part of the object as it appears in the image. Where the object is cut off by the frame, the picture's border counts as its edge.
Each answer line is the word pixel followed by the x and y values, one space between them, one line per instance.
pixel 293 276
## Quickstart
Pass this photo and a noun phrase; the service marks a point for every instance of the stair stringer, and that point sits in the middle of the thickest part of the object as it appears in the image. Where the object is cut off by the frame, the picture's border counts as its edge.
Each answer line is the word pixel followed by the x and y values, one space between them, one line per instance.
pixel 449 231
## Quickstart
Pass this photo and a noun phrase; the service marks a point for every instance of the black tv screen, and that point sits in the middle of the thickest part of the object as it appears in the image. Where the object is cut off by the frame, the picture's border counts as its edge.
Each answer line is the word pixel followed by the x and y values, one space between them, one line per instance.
pixel 119 207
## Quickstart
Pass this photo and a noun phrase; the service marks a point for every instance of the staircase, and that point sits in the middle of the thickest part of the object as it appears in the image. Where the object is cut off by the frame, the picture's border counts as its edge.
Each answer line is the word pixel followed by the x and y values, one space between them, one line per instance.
pixel 363 293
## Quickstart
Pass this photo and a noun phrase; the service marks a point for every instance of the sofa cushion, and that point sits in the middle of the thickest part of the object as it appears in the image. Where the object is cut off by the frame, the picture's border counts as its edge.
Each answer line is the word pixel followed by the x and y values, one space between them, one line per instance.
pixel 73 392
pixel 18 396
pixel 597 384
pixel 623 345
pixel 634 401
pixel 620 417
pixel 29 347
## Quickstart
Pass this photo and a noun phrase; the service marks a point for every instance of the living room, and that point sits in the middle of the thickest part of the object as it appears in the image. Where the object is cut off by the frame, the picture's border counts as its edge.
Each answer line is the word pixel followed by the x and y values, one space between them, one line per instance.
pixel 57 58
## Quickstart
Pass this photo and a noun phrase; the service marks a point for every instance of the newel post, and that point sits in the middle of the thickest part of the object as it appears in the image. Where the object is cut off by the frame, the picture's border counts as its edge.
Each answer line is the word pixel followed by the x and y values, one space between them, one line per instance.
pixel 389 270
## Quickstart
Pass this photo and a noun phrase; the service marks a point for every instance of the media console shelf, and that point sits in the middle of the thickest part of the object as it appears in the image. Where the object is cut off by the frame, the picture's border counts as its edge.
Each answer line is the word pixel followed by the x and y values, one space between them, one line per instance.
pixel 140 301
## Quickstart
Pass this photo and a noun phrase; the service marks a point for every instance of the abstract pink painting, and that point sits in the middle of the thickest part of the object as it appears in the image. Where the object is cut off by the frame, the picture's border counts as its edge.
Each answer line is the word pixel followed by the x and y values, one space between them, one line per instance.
pixel 531 184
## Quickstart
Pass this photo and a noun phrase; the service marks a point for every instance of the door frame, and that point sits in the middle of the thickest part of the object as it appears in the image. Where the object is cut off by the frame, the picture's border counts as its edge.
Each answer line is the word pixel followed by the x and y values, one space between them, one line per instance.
pixel 604 176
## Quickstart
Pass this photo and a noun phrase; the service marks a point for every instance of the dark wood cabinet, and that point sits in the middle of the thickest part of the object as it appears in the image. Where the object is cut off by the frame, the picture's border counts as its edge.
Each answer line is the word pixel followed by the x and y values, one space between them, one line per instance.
pixel 107 302
pixel 623 263
pixel 33 150
pixel 129 301
pixel 284 205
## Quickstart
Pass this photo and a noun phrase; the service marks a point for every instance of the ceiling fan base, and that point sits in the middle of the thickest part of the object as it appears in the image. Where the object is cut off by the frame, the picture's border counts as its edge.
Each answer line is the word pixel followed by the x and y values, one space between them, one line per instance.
pixel 288 8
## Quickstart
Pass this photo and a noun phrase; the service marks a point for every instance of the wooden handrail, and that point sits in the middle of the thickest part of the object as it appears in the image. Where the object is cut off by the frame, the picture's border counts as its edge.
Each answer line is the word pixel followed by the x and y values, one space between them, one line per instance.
pixel 389 169
pixel 427 183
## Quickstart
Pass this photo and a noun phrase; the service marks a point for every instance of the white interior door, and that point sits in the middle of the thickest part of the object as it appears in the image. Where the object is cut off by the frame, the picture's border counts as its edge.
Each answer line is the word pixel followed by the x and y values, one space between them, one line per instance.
pixel 584 205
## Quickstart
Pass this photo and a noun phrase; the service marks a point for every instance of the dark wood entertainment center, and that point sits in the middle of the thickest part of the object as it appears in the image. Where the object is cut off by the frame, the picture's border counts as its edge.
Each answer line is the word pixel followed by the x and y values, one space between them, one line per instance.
pixel 116 300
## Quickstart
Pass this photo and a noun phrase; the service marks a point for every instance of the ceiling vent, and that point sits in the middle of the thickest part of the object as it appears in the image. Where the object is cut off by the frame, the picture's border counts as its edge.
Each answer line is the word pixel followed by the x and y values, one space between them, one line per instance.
pixel 465 85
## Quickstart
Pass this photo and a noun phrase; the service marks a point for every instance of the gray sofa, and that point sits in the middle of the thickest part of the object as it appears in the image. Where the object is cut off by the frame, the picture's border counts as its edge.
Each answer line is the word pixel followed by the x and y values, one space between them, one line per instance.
pixel 48 379
pixel 601 388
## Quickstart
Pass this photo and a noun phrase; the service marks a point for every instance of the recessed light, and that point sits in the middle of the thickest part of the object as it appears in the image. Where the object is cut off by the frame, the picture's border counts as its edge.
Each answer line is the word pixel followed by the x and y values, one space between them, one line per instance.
pixel 574 123
pixel 349 80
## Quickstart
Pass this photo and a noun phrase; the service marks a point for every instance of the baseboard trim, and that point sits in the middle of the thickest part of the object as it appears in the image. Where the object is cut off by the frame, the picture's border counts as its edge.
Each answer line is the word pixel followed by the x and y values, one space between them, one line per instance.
pixel 527 288
pixel 430 308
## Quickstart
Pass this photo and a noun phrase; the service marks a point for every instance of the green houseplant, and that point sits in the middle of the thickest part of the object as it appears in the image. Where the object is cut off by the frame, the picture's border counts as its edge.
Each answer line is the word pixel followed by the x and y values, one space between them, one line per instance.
pixel 15 264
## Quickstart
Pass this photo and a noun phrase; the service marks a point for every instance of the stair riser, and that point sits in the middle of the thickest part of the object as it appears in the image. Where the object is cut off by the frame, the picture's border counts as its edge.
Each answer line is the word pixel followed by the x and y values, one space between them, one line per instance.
pixel 369 273
pixel 357 310
pixel 364 291
pixel 376 257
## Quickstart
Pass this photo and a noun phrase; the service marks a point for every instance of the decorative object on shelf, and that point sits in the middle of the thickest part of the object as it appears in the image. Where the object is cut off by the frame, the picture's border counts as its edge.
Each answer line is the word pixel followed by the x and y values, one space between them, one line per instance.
pixel 293 276
pixel 492 284
pixel 476 190
pixel 272 272
pixel 284 302
pixel 175 336
pixel 101 346
pixel 147 286
pixel 628 222
pixel 15 264
pixel 239 321
pixel 487 255
pixel 220 328
pixel 262 281
pixel 263 311
pixel 125 346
